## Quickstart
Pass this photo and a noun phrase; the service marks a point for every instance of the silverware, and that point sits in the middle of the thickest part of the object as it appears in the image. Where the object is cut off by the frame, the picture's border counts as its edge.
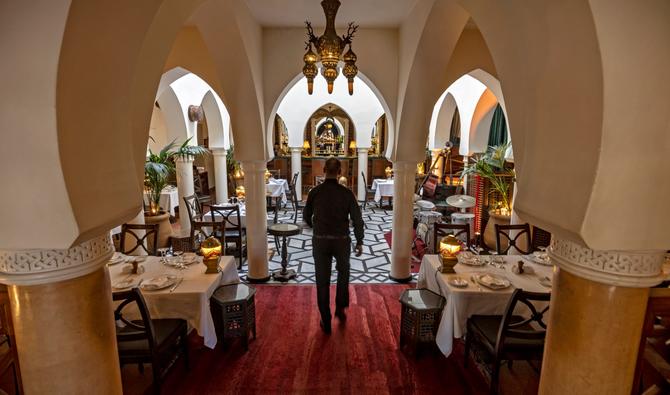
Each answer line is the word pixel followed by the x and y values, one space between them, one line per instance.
pixel 176 284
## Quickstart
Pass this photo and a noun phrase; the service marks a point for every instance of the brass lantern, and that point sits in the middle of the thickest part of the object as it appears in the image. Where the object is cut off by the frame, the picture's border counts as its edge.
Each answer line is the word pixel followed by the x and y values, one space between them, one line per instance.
pixel 329 48
pixel 450 246
pixel 210 249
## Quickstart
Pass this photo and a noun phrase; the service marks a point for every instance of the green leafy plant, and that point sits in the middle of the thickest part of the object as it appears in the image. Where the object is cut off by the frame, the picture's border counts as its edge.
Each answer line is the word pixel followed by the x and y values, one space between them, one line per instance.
pixel 160 166
pixel 491 166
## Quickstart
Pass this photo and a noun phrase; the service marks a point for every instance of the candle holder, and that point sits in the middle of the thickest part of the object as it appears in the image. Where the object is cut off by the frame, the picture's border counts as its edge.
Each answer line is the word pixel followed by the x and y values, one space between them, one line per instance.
pixel 450 246
pixel 210 249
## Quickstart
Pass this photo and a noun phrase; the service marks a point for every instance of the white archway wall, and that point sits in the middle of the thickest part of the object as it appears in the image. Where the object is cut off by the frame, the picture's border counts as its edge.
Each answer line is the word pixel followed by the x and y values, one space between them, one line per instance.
pixel 440 123
pixel 480 127
pixel 297 107
pixel 157 131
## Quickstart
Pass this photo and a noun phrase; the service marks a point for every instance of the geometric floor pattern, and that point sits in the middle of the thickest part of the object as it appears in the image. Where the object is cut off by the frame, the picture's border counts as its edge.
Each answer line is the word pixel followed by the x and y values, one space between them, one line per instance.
pixel 372 267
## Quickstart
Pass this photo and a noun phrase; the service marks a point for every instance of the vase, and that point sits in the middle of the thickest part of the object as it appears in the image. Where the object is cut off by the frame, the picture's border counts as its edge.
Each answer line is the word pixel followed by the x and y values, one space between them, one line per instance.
pixel 490 231
pixel 164 228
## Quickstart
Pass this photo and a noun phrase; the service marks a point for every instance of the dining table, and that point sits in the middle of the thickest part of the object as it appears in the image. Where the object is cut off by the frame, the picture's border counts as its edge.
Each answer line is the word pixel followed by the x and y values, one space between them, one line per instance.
pixel 188 298
pixel 277 188
pixel 383 188
pixel 169 199
pixel 475 298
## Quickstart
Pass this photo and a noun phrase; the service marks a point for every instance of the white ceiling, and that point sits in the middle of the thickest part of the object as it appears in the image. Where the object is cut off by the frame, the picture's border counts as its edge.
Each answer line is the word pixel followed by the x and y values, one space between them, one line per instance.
pixel 367 13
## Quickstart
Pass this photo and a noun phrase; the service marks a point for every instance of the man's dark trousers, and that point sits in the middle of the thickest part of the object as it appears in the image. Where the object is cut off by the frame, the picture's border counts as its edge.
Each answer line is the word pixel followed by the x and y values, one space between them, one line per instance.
pixel 324 250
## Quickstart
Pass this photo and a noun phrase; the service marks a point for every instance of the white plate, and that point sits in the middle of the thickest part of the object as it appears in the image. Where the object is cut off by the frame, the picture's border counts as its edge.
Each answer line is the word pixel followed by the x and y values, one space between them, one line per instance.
pixel 458 282
pixel 159 282
pixel 125 284
pixel 492 281
pixel 546 281
pixel 470 259
pixel 541 259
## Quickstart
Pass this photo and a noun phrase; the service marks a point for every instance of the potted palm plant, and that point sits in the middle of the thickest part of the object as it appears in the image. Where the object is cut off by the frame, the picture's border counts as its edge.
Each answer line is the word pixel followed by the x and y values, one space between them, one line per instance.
pixel 491 167
pixel 158 169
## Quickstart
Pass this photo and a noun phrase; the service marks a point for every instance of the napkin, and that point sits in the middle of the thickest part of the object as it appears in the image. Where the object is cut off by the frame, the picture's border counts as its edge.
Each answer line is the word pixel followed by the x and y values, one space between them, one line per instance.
pixel 127 269
pixel 157 282
pixel 492 280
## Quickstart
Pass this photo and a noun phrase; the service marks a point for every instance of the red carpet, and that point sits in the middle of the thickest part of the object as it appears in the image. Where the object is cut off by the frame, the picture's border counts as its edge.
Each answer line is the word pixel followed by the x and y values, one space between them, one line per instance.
pixel 292 355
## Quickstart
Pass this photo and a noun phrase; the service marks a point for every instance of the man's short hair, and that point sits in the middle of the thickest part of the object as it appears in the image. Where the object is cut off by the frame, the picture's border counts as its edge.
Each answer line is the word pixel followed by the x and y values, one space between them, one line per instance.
pixel 332 167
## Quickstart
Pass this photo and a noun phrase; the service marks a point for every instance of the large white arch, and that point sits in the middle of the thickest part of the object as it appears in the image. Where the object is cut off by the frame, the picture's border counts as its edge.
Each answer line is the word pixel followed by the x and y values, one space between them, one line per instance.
pixel 440 122
pixel 364 107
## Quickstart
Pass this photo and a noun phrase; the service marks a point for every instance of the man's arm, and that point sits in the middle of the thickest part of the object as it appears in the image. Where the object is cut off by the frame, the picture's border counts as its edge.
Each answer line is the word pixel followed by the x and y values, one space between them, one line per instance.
pixel 309 209
pixel 357 219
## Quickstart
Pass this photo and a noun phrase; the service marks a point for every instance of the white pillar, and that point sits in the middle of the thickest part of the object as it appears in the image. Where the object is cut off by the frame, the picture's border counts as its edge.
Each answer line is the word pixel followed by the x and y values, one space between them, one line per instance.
pixel 465 179
pixel 296 167
pixel 362 167
pixel 185 187
pixel 220 174
pixel 403 203
pixel 63 318
pixel 257 241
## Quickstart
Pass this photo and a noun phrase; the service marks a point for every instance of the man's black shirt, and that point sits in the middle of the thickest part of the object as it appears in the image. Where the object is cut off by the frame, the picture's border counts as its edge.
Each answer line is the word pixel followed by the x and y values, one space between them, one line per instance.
pixel 328 209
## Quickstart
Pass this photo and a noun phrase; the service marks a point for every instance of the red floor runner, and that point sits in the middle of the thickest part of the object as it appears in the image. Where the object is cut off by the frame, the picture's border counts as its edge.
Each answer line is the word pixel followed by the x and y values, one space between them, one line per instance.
pixel 292 355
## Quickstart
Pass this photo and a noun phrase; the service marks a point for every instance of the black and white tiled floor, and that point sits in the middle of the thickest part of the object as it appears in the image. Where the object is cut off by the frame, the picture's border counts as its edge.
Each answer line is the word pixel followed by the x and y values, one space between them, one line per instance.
pixel 371 267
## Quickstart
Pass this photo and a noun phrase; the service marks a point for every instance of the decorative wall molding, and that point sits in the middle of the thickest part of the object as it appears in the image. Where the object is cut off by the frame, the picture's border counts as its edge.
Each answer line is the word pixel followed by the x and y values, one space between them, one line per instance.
pixel 31 267
pixel 621 268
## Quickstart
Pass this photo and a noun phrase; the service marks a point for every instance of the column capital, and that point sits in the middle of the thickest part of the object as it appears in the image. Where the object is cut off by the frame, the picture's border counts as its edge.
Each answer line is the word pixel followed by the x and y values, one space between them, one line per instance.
pixel 184 159
pixel 637 269
pixel 32 267
pixel 362 149
pixel 219 151
pixel 296 149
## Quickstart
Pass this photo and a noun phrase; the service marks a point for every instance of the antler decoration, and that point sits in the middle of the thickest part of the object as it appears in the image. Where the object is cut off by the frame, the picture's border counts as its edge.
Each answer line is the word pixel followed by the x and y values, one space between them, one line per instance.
pixel 351 31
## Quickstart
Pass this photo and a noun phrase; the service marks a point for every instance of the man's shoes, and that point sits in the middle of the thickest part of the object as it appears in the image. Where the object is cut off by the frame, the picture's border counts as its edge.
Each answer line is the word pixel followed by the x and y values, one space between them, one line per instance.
pixel 325 327
pixel 341 315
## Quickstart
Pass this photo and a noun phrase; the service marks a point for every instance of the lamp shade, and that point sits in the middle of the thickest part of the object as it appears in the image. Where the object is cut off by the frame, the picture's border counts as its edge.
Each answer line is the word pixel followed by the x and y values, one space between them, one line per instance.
pixel 352 144
pixel 210 248
pixel 306 145
pixel 449 246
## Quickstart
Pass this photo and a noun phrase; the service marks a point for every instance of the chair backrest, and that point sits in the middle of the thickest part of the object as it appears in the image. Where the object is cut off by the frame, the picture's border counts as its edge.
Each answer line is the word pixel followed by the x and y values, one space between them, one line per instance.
pixel 193 207
pixel 276 174
pixel 293 192
pixel 442 230
pixel 540 238
pixel 197 183
pixel 531 327
pixel 147 241
pixel 319 180
pixel 130 331
pixel 229 214
pixel 205 229
pixel 294 180
pixel 365 182
pixel 505 230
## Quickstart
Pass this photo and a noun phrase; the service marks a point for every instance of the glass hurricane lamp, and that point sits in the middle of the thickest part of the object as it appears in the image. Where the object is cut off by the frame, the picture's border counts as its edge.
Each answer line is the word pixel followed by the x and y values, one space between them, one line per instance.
pixel 449 248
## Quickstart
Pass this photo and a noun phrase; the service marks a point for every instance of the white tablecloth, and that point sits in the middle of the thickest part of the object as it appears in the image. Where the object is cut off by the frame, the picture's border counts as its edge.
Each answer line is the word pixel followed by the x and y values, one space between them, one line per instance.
pixel 190 300
pixel 465 302
pixel 169 199
pixel 277 188
pixel 382 187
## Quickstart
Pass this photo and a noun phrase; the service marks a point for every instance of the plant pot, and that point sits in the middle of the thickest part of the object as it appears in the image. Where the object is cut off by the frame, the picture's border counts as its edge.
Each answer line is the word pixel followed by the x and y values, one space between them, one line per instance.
pixel 490 231
pixel 164 227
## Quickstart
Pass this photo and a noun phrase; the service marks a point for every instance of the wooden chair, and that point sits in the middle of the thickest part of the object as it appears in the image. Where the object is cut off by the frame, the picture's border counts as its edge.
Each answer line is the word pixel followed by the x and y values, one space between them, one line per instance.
pixel 319 180
pixel 155 341
pixel 293 197
pixel 201 230
pixel 203 195
pixel 652 374
pixel 369 192
pixel 233 230
pixel 193 208
pixel 147 242
pixel 540 238
pixel 509 337
pixel 505 230
pixel 442 230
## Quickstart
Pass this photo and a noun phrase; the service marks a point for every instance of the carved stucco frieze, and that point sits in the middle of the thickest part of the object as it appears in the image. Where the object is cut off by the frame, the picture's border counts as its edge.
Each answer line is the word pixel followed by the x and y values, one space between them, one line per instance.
pixel 28 267
pixel 620 268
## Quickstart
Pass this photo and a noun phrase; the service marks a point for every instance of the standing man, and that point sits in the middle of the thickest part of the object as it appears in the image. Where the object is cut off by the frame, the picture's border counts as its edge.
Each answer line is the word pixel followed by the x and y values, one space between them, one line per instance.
pixel 328 209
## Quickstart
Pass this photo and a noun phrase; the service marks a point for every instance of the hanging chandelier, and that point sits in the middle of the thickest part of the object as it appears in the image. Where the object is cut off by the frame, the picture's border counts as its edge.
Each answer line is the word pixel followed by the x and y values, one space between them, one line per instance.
pixel 329 48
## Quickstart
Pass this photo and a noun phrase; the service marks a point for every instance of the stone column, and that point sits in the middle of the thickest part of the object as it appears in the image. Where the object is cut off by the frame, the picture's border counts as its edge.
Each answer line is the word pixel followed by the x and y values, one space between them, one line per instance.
pixel 403 204
pixel 257 222
pixel 465 179
pixel 438 170
pixel 598 304
pixel 362 167
pixel 221 174
pixel 296 167
pixel 184 165
pixel 63 318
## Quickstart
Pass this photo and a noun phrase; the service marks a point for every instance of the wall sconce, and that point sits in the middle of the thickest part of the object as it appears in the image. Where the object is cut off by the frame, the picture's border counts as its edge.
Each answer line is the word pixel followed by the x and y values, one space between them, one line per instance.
pixel 352 147
pixel 306 147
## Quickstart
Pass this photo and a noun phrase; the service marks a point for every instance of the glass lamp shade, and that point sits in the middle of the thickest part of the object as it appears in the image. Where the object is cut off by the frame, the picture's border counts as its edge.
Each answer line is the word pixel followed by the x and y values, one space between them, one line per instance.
pixel 240 192
pixel 352 145
pixel 306 145
pixel 388 172
pixel 449 248
pixel 210 249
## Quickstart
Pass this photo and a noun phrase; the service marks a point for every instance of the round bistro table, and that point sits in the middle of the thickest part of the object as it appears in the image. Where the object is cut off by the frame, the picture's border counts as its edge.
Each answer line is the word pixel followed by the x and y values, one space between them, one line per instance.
pixel 284 231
